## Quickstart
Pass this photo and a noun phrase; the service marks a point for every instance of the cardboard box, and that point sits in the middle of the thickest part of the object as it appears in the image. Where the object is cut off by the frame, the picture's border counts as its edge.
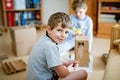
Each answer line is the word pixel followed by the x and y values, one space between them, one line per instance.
pixel 22 40
pixel 81 51
pixel 119 48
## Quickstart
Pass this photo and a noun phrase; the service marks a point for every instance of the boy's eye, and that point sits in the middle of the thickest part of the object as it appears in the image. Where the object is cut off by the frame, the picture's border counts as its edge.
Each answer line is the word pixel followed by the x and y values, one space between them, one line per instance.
pixel 67 32
pixel 78 12
pixel 59 30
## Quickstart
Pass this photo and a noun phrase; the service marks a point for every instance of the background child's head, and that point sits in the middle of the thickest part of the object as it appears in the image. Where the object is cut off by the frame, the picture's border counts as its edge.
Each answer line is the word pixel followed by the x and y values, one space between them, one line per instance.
pixel 81 4
pixel 59 18
pixel 80 8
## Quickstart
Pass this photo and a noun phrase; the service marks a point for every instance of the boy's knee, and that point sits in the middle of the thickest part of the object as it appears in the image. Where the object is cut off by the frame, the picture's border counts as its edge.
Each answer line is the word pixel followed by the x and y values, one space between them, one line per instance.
pixel 84 75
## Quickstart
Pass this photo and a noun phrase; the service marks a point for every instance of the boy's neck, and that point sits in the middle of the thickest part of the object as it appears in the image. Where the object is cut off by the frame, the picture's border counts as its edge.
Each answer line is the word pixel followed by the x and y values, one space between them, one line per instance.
pixel 51 38
pixel 83 17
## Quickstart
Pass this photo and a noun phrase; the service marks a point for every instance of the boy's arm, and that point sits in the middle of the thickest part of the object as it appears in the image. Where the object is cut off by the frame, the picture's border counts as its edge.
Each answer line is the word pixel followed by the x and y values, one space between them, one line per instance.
pixel 90 34
pixel 62 71
pixel 67 63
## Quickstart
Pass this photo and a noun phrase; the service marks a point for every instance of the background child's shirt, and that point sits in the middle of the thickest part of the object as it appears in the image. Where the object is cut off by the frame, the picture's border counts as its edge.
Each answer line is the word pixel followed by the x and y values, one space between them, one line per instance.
pixel 86 27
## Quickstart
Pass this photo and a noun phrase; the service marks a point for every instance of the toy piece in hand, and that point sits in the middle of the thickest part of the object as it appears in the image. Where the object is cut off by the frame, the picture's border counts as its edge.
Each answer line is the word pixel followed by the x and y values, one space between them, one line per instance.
pixel 74 63
pixel 77 30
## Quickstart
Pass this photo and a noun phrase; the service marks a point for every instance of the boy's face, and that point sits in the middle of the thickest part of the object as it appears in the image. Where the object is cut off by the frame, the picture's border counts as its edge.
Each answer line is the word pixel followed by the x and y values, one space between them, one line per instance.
pixel 80 13
pixel 58 34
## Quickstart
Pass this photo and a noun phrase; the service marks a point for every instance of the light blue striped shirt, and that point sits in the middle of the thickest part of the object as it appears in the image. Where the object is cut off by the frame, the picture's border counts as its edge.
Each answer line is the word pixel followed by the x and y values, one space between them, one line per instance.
pixel 42 60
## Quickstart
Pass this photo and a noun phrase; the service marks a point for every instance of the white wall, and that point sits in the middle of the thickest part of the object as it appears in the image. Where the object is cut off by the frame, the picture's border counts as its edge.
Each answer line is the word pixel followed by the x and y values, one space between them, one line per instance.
pixel 52 6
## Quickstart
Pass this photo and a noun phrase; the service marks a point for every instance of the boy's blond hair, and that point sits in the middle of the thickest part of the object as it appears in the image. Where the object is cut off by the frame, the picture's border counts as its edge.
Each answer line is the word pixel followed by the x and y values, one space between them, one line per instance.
pixel 79 4
pixel 59 17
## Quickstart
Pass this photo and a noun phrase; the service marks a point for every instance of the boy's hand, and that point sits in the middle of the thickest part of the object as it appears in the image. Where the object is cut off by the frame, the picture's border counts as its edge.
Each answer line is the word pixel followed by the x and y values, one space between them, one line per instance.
pixel 67 63
pixel 73 66
pixel 75 63
pixel 79 34
pixel 77 30
pixel 70 68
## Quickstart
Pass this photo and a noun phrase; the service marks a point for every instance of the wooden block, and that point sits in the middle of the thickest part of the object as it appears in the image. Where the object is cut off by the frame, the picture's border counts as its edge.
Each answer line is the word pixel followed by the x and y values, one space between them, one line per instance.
pixel 11 67
pixel 6 68
pixel 18 65
pixel 22 63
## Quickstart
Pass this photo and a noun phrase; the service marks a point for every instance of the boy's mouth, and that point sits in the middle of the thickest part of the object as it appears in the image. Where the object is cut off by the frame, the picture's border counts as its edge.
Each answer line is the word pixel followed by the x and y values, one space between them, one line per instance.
pixel 61 40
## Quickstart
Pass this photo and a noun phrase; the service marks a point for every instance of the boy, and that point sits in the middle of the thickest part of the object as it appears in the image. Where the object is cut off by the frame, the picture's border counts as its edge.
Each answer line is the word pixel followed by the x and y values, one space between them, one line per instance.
pixel 44 61
pixel 80 21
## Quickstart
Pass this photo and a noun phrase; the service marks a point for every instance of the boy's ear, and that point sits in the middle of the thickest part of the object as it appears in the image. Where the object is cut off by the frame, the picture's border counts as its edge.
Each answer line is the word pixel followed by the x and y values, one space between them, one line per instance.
pixel 48 29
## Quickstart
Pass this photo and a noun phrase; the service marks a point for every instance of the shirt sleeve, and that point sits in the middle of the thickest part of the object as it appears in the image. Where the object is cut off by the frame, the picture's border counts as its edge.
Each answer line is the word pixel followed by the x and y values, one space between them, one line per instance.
pixel 52 56
pixel 90 34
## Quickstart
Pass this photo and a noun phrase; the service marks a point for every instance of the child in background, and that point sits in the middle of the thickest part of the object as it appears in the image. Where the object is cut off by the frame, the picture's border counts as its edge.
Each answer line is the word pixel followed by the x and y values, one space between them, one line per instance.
pixel 82 25
pixel 44 61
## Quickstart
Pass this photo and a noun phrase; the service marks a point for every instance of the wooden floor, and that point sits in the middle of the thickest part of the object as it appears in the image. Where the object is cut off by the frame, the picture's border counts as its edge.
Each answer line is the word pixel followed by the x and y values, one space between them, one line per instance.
pixel 100 46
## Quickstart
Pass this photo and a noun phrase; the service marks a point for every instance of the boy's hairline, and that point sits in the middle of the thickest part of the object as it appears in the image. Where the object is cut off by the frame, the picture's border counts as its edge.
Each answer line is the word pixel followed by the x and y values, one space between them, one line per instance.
pixel 80 7
pixel 68 27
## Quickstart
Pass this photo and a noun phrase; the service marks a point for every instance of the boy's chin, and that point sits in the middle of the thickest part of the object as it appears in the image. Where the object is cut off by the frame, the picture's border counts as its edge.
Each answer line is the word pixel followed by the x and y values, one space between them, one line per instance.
pixel 81 17
pixel 60 42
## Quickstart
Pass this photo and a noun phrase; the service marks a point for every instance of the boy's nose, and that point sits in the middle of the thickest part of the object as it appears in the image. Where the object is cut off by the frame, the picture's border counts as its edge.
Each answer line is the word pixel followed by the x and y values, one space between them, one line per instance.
pixel 64 35
pixel 77 14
